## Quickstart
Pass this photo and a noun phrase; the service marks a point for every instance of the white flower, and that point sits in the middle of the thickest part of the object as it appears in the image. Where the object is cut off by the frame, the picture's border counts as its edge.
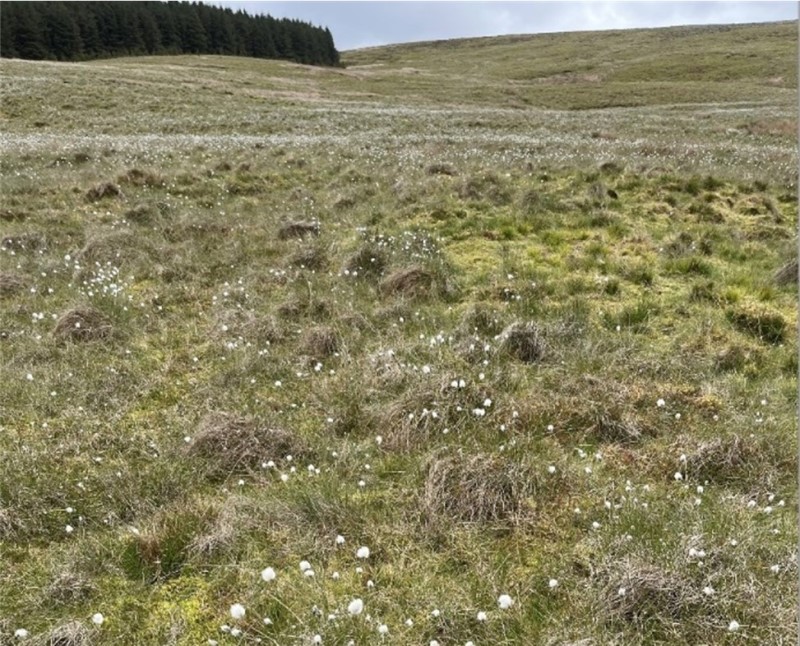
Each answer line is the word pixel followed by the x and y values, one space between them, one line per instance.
pixel 355 607
pixel 237 611
pixel 553 583
pixel 436 613
pixel 469 643
pixel 708 591
pixel 595 525
pixel 621 592
pixel 21 633
pixel 433 642
pixel 775 568
pixel 340 540
pixel 551 469
pixel 235 632
pixel 733 626
pixel 308 573
pixel 481 616
pixel 363 552
pixel 267 621
pixel 409 623
pixel 383 629
pixel 268 574
pixel 661 403
pixel 505 601
pixel 678 476
pixel 69 529
pixel 305 565
pixel 98 619
pixel 317 639
pixel 335 576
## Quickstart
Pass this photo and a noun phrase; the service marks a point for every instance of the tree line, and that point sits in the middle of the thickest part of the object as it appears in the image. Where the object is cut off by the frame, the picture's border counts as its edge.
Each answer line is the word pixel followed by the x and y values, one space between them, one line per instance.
pixel 74 31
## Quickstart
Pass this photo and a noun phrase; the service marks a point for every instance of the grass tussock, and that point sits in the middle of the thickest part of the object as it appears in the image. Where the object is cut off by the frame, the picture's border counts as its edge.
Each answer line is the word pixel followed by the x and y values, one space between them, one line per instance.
pixel 104 191
pixel 787 274
pixel 83 324
pixel 368 260
pixel 31 241
pixel 73 633
pixel 69 587
pixel 759 321
pixel 638 594
pixel 11 284
pixel 476 489
pixel 523 341
pixel 321 341
pixel 138 177
pixel 409 282
pixel 298 229
pixel 226 444
pixel 727 460
pixel 314 257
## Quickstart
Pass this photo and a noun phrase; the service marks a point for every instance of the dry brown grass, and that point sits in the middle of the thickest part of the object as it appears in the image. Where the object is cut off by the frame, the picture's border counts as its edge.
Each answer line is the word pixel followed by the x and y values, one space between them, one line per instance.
pixel 408 282
pixel 298 229
pixel 523 341
pixel 69 586
pixel 321 341
pixel 724 460
pixel 24 242
pixel 648 593
pixel 83 324
pixel 10 284
pixel 104 190
pixel 314 258
pixel 138 177
pixel 476 489
pixel 72 633
pixel 225 444
pixel 787 274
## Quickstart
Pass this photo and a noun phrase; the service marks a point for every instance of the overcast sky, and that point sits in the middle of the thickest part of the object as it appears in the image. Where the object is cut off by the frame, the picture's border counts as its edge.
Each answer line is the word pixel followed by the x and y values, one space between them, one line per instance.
pixel 365 24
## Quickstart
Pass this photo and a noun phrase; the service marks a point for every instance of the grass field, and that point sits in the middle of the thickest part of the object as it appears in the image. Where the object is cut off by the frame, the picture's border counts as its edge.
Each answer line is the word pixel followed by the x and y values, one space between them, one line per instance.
pixel 466 342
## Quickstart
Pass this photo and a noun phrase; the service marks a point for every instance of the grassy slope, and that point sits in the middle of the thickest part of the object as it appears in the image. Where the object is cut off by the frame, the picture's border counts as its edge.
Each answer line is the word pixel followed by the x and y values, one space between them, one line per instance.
pixel 636 247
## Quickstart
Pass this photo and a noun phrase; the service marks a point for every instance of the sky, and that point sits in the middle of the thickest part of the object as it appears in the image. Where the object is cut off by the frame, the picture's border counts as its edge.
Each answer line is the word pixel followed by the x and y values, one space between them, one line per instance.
pixel 367 24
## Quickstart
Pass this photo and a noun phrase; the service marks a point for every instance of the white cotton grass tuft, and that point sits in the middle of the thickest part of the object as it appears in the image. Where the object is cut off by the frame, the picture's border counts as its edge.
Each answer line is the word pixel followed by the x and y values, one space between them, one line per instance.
pixel 238 611
pixel 98 619
pixel 482 616
pixel 553 583
pixel 268 574
pixel 21 633
pixel 504 601
pixel 355 607
pixel 733 626
pixel 305 565
pixel 363 552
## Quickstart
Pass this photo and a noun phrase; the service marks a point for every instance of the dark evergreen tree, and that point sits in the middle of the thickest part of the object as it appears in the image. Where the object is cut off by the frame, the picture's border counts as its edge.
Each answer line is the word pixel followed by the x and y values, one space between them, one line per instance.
pixel 85 30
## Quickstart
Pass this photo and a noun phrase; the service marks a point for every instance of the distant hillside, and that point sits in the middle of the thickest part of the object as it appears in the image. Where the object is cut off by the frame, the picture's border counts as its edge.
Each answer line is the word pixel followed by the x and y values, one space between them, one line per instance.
pixel 86 30
pixel 599 69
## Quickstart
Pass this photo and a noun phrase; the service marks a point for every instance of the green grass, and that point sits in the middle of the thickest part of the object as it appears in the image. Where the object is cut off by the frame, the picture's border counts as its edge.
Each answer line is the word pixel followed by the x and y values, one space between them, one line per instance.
pixel 488 334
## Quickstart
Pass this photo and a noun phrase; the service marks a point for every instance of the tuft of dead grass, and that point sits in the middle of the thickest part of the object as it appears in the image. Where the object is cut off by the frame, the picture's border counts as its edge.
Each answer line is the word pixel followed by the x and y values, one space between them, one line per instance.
pixel 69 586
pixel 226 443
pixel 73 633
pixel 724 460
pixel 10 284
pixel 636 593
pixel 321 341
pixel 314 257
pixel 787 274
pixel 476 489
pixel 523 341
pixel 83 324
pixel 103 191
pixel 298 229
pixel 439 168
pixel 138 177
pixel 409 282
pixel 31 241
pixel 368 260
